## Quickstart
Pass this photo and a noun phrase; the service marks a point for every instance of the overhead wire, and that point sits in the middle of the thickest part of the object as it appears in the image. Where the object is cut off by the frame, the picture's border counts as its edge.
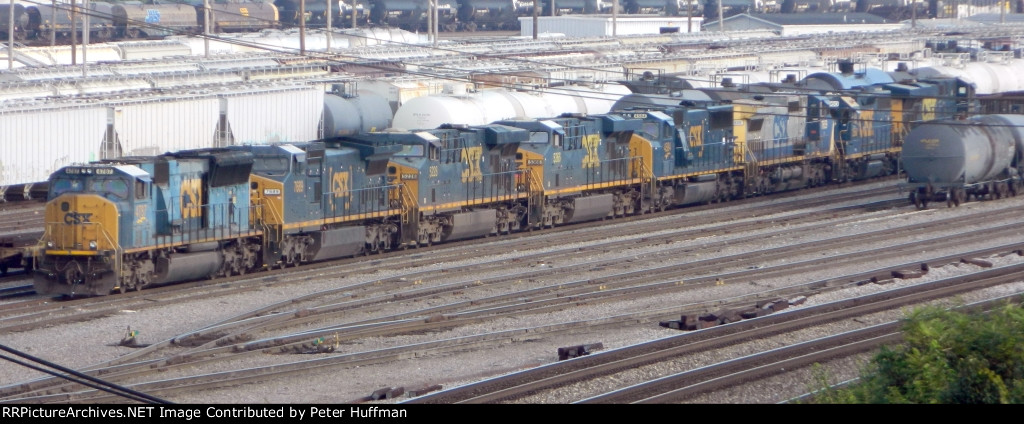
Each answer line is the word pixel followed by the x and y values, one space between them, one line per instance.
pixel 78 377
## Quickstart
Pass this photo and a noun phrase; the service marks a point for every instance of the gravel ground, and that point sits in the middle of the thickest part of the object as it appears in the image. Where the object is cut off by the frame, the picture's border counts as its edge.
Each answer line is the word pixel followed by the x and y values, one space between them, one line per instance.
pixel 83 344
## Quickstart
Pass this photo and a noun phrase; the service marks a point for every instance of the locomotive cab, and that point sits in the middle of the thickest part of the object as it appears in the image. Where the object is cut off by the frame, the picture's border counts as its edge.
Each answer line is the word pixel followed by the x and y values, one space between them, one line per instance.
pixel 92 212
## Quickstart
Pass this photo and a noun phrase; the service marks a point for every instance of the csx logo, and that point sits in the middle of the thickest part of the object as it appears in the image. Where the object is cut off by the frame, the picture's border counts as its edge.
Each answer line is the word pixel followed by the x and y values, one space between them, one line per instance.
pixel 191 198
pixel 75 218
pixel 471 157
pixel 591 159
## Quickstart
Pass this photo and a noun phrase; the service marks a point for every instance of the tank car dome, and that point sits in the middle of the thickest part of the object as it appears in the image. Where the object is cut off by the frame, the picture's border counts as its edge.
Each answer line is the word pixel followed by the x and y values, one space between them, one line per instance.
pixel 364 113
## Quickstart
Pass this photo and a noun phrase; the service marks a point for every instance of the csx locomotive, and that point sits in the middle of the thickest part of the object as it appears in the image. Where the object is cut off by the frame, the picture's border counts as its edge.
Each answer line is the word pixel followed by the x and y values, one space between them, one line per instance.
pixel 140 221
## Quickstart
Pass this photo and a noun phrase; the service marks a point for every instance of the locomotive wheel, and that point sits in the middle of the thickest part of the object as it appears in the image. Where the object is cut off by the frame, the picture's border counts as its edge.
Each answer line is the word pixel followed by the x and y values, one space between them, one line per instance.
pixel 960 197
pixel 132 33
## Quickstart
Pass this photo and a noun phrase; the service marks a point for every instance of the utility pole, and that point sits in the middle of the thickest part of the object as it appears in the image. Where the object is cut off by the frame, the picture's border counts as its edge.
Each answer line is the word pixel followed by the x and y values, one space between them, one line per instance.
pixel 74 37
pixel 913 14
pixel 85 35
pixel 330 11
pixel 353 14
pixel 615 18
pixel 302 27
pixel 689 15
pixel 721 26
pixel 536 7
pixel 10 37
pixel 53 18
pixel 206 28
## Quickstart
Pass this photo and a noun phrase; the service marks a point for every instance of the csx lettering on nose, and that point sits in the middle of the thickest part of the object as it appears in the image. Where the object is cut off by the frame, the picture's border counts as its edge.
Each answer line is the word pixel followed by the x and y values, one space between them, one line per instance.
pixel 75 218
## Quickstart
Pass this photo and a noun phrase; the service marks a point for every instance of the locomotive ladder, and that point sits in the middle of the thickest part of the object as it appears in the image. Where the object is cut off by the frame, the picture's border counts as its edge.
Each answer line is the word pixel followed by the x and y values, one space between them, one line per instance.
pixel 750 168
pixel 535 201
pixel 410 215
pixel 272 233
pixel 648 184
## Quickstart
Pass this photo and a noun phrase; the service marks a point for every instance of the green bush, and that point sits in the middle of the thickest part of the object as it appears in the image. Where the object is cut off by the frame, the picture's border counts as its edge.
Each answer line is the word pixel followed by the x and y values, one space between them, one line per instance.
pixel 948 357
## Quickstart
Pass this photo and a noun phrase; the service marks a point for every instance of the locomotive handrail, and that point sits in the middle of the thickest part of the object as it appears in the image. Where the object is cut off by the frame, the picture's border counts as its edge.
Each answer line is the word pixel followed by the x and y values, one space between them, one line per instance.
pixel 535 200
pixel 410 212
pixel 494 181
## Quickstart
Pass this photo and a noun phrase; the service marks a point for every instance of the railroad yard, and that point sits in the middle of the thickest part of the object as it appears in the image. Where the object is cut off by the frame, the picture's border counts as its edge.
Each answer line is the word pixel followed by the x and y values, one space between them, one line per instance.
pixel 458 314
pixel 727 276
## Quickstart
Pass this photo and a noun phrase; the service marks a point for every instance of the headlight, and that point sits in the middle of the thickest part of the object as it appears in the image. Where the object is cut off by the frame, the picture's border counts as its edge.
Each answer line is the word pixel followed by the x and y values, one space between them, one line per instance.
pixel 92 245
pixel 49 244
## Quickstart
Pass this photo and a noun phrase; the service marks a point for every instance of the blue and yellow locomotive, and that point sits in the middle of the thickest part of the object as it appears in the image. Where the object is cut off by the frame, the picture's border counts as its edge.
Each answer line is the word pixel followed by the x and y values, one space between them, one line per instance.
pixel 215 212
pixel 145 220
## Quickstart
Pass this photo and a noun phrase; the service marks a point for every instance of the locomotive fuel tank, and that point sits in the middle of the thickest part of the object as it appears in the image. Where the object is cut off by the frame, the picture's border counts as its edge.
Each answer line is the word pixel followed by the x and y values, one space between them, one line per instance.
pixel 963 152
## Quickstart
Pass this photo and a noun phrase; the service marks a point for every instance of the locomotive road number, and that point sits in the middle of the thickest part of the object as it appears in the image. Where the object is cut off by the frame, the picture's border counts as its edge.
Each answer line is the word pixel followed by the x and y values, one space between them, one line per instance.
pixel 409 176
pixel 271 192
pixel 97 171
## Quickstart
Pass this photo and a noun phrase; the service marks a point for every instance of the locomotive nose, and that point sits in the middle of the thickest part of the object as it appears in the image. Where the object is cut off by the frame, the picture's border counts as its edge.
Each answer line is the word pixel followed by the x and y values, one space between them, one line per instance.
pixel 81 222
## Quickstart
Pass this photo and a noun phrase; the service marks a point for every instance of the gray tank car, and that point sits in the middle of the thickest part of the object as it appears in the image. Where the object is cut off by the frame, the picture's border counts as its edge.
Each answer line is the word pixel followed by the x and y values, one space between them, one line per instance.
pixel 982 156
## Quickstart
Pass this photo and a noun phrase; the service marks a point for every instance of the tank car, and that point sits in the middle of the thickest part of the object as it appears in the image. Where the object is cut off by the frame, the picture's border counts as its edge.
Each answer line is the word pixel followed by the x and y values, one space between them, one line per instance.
pixel 316 13
pixel 662 7
pixel 242 17
pixel 45 19
pixel 411 15
pixel 950 160
pixel 20 21
pixel 491 14
pixel 155 20
pixel 146 220
pixel 563 7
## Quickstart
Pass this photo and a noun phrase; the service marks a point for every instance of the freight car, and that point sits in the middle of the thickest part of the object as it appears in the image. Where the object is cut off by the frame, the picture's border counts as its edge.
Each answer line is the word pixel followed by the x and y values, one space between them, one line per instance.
pixel 115 21
pixel 982 156
pixel 134 222
pixel 20 21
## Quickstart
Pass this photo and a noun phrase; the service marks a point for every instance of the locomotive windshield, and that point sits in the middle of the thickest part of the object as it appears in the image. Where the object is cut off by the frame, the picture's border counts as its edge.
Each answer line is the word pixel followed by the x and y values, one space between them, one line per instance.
pixel 104 186
pixel 271 164
pixel 652 129
pixel 539 137
pixel 411 151
pixel 60 186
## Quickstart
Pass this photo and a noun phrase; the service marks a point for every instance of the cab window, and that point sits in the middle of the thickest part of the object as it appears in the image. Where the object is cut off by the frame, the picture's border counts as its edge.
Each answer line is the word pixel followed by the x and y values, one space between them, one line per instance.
pixel 109 187
pixel 411 151
pixel 538 137
pixel 64 185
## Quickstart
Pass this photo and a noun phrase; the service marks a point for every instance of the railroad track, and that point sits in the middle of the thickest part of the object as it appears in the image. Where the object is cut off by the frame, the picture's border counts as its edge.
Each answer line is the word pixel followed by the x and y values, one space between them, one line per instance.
pixel 593 241
pixel 272 329
pixel 232 342
pixel 678 387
